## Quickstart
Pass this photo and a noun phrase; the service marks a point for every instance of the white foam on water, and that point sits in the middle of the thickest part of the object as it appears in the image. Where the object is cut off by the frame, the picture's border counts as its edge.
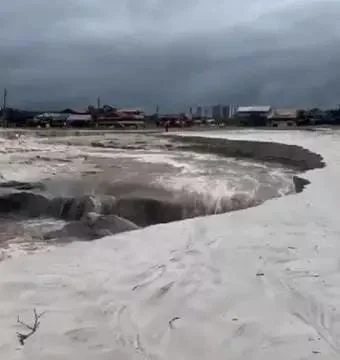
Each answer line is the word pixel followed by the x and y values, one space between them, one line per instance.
pixel 219 179
pixel 19 247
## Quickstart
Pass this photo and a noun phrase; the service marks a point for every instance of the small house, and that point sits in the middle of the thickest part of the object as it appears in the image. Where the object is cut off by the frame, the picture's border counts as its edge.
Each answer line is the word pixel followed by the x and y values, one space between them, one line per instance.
pixel 253 115
pixel 283 118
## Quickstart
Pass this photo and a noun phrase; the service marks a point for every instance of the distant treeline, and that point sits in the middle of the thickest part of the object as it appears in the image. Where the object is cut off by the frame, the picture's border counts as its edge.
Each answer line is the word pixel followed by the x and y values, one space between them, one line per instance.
pixel 318 116
pixel 18 117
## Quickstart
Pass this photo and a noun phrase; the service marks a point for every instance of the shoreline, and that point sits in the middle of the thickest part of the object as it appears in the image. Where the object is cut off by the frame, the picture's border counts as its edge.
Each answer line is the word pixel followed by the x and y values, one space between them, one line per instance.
pixel 152 129
pixel 293 156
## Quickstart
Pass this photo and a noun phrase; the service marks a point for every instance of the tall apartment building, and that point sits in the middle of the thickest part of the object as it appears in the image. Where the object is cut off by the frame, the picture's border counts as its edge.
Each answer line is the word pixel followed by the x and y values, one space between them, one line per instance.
pixel 207 111
pixel 232 110
pixel 217 111
pixel 199 111
pixel 226 112
pixel 220 111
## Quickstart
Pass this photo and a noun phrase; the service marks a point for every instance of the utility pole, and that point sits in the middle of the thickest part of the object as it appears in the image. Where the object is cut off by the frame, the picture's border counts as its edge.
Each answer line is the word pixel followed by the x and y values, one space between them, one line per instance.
pixel 4 108
pixel 96 113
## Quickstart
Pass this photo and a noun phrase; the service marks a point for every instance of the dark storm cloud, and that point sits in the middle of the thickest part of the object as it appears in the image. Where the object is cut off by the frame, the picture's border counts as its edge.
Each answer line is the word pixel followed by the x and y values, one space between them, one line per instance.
pixel 170 53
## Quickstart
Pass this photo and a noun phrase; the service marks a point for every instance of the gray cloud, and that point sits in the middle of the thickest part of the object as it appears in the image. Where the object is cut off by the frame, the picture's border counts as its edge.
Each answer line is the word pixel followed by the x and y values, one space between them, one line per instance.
pixel 170 53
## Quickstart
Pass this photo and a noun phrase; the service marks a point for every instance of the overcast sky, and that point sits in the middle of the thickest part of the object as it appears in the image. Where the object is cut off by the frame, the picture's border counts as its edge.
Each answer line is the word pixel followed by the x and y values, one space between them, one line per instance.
pixel 175 53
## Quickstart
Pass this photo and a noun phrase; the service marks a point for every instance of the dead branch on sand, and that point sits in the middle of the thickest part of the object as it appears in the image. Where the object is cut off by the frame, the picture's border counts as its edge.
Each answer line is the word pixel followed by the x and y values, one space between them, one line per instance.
pixel 172 321
pixel 32 329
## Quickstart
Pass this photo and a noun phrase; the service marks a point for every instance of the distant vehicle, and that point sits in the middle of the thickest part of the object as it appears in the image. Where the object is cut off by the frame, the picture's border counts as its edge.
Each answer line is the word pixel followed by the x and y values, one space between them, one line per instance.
pixel 198 122
pixel 79 120
pixel 211 122
pixel 130 124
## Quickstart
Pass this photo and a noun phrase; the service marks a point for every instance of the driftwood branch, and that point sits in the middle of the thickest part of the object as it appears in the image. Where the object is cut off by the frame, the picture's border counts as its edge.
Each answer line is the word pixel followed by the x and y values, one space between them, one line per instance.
pixel 171 322
pixel 32 328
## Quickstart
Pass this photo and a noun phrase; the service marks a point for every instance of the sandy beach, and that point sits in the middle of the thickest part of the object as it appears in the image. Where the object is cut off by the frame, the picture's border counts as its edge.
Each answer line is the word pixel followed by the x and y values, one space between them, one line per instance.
pixel 252 284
